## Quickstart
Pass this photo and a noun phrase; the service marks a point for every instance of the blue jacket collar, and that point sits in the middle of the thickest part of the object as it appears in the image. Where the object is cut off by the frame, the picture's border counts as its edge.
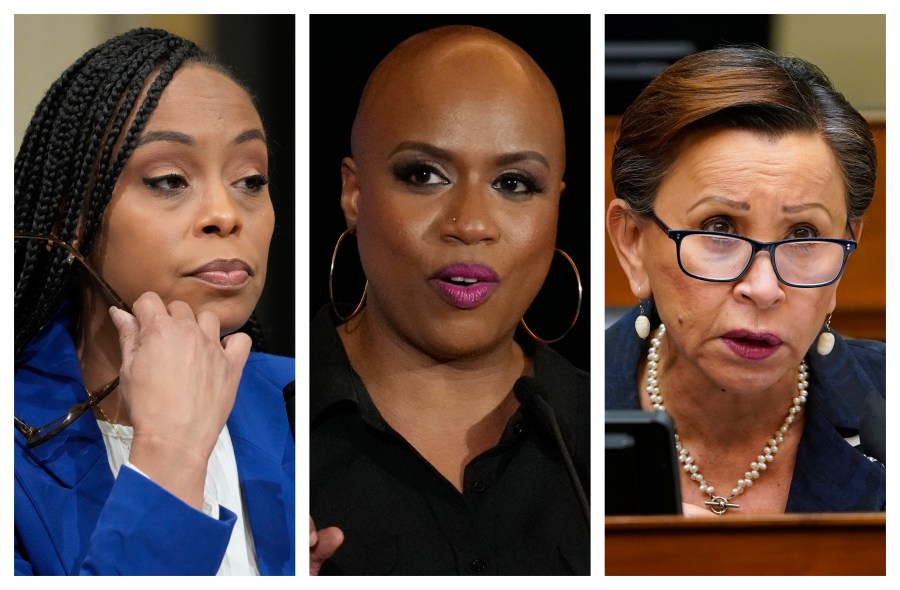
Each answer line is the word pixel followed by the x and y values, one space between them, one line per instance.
pixel 48 370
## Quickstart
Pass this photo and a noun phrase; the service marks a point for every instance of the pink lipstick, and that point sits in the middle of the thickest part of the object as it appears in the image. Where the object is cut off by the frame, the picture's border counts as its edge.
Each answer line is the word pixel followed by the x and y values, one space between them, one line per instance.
pixel 464 285
pixel 753 346
pixel 230 273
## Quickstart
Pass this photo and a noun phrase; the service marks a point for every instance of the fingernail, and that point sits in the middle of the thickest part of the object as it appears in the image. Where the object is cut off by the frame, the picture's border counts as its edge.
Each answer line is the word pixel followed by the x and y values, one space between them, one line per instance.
pixel 313 538
pixel 116 314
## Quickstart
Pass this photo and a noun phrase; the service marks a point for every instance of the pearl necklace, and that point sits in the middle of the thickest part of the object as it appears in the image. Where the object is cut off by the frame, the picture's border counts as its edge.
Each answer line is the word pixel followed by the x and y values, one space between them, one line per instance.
pixel 719 504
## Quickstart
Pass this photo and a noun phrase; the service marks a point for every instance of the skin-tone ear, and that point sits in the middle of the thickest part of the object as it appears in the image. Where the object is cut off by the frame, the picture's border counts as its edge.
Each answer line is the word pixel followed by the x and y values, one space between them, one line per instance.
pixel 350 192
pixel 857 227
pixel 625 231
pixel 79 232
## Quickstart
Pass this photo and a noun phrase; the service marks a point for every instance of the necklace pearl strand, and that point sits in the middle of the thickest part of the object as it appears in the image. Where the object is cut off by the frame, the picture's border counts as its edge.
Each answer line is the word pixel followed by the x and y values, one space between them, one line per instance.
pixel 719 504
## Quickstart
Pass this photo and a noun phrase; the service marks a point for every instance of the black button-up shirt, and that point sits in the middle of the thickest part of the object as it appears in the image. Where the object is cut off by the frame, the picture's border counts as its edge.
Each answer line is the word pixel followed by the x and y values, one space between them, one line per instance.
pixel 518 513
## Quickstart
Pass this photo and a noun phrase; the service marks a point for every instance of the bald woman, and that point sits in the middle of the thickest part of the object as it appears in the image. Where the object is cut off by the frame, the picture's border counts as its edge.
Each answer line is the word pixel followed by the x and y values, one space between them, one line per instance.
pixel 444 439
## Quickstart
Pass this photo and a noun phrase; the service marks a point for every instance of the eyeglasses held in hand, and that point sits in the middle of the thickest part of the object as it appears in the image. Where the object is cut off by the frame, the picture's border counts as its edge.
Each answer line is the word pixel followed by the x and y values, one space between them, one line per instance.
pixel 721 257
pixel 37 435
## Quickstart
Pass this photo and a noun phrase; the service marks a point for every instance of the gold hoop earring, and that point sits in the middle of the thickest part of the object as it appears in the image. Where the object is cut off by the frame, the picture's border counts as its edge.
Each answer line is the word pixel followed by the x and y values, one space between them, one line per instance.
pixel 577 309
pixel 331 289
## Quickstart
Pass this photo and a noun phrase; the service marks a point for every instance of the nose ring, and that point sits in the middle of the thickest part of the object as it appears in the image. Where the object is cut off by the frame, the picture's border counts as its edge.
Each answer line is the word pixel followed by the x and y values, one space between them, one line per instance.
pixel 454 220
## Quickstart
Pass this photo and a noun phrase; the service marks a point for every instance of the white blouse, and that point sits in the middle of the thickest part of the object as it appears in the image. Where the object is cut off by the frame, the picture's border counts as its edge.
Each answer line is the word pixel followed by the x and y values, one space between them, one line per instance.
pixel 222 488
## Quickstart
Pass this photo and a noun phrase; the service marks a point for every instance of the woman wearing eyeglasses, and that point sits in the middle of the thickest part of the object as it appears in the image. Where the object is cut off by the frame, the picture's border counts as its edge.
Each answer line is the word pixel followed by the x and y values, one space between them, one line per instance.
pixel 742 178
pixel 149 439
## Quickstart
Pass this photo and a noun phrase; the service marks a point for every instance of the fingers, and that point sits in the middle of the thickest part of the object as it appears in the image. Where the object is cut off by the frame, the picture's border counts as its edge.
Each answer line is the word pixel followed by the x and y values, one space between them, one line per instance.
pixel 128 329
pixel 209 323
pixel 323 545
pixel 329 540
pixel 180 310
pixel 237 349
pixel 150 305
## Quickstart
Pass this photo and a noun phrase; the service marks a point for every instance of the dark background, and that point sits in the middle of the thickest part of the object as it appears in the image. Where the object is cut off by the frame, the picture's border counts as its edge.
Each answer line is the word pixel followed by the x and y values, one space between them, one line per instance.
pixel 344 49
pixel 260 49
pixel 640 46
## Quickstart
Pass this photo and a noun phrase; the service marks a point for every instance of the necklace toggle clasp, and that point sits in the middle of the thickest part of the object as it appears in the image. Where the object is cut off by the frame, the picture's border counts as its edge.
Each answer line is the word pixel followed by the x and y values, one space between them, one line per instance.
pixel 720 505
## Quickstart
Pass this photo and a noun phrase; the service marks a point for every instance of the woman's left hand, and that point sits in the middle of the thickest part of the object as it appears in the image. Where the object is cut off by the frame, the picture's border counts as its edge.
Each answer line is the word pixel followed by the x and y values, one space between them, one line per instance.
pixel 178 382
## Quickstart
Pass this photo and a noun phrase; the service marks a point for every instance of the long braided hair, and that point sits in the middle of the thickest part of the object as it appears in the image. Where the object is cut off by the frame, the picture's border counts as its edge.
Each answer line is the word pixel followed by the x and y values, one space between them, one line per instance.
pixel 68 163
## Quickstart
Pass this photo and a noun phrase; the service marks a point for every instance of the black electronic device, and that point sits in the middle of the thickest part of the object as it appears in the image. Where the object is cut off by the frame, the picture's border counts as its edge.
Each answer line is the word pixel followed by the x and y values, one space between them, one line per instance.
pixel 642 474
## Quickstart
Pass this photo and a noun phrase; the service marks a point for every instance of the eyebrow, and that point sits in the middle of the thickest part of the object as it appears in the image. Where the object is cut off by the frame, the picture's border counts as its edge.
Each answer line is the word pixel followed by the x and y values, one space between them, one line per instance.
pixel 250 135
pixel 746 206
pixel 434 151
pixel 183 138
pixel 804 207
pixel 720 199
pixel 507 159
pixel 173 136
pixel 423 147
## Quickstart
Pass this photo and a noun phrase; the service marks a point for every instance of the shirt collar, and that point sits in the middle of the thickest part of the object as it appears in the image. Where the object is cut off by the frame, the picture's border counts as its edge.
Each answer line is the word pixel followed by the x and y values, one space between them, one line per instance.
pixel 333 380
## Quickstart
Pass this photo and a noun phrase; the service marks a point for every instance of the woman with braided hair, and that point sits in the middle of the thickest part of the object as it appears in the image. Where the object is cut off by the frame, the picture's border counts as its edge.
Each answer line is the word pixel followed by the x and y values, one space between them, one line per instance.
pixel 143 221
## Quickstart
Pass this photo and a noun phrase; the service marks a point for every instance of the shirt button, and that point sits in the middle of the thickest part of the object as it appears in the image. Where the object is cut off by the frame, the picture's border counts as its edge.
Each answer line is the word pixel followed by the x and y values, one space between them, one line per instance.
pixel 479 486
pixel 477 565
pixel 519 428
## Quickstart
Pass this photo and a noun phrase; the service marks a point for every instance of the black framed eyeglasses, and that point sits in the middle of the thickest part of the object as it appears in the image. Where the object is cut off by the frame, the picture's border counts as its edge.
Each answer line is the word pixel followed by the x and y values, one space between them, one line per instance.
pixel 721 257
pixel 37 435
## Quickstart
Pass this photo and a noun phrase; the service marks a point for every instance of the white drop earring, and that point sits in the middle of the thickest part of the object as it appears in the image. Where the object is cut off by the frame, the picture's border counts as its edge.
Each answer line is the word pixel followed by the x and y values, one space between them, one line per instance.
pixel 825 344
pixel 642 324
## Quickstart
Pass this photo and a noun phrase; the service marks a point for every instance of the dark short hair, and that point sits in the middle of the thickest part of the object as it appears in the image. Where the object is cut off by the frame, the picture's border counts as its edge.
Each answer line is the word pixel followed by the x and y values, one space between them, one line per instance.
pixel 743 87
pixel 73 152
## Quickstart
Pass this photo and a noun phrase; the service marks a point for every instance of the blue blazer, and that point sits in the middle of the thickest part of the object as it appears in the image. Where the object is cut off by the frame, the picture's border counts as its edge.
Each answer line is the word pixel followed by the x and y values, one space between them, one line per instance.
pixel 73 517
pixel 831 475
